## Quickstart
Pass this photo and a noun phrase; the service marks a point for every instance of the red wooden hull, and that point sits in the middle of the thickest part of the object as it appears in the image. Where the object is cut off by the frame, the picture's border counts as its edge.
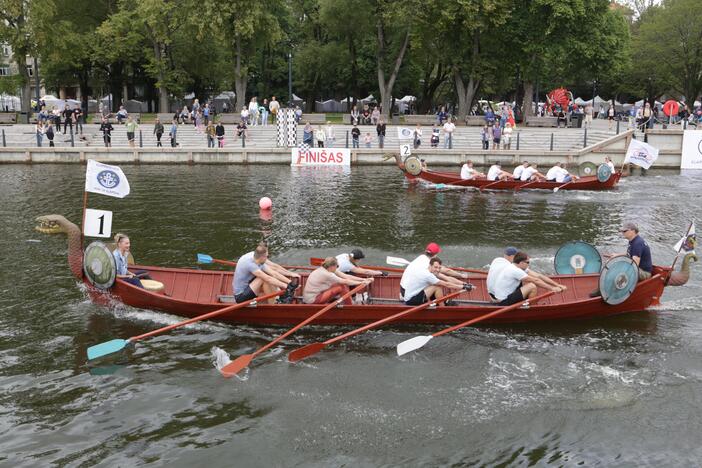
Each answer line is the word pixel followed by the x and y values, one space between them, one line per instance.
pixel 190 293
pixel 454 179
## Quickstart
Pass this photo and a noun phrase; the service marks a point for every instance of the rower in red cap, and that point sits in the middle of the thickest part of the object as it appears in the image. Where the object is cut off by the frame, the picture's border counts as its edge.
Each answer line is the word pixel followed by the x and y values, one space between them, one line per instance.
pixel 422 277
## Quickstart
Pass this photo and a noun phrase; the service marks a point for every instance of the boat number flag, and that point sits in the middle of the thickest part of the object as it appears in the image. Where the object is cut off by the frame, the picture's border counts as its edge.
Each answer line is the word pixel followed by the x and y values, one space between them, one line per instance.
pixel 404 133
pixel 640 153
pixel 687 243
pixel 105 179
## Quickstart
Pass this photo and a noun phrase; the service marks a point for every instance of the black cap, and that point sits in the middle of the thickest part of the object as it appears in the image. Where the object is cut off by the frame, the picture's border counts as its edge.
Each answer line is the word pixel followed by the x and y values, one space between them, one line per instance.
pixel 357 254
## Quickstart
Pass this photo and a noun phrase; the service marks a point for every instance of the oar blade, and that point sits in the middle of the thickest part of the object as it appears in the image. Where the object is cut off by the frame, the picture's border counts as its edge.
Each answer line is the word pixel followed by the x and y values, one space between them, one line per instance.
pixel 397 261
pixel 555 189
pixel 204 258
pixel 305 351
pixel 108 347
pixel 412 344
pixel 236 366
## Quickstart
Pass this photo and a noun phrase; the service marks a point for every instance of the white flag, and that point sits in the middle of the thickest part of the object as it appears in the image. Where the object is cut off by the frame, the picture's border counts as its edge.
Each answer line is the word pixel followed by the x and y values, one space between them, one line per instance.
pixel 404 133
pixel 687 243
pixel 640 153
pixel 105 179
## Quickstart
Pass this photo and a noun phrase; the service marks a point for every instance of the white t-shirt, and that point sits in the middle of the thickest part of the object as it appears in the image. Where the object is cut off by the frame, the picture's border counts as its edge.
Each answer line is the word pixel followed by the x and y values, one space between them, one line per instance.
pixel 611 166
pixel 494 172
pixel 345 265
pixel 527 173
pixel 467 172
pixel 449 127
pixel 417 277
pixel 508 281
pixel 496 268
pixel 552 173
pixel 518 172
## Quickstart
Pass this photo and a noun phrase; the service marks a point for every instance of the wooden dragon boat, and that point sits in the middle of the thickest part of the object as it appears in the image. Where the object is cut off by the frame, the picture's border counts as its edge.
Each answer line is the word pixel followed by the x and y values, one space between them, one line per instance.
pixel 412 169
pixel 192 292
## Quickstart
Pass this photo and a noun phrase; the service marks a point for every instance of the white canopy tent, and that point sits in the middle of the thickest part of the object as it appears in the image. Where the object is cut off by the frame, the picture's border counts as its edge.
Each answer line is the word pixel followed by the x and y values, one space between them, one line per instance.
pixel 9 103
pixel 329 105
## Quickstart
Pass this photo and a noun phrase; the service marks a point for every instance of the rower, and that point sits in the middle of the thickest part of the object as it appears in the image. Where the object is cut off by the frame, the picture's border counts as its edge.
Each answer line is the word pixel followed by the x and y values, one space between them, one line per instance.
pixel 468 173
pixel 121 256
pixel 530 173
pixel 422 263
pixel 513 284
pixel 496 173
pixel 559 174
pixel 348 264
pixel 507 258
pixel 420 283
pixel 517 174
pixel 253 277
pixel 324 285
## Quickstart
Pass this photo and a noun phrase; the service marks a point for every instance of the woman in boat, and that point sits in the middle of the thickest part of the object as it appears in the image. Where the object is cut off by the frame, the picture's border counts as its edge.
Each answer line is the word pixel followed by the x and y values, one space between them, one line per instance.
pixel 120 254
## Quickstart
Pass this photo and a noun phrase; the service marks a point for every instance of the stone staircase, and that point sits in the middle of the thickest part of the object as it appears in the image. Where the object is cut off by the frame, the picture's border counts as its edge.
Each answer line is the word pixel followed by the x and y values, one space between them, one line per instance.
pixel 265 137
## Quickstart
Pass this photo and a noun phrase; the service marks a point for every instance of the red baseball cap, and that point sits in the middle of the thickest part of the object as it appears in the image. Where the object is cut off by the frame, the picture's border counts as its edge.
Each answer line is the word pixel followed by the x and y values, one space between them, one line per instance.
pixel 433 248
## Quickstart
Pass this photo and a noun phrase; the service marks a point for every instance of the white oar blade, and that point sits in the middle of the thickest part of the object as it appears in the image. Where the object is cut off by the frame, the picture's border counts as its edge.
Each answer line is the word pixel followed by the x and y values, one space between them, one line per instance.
pixel 555 189
pixel 397 261
pixel 412 344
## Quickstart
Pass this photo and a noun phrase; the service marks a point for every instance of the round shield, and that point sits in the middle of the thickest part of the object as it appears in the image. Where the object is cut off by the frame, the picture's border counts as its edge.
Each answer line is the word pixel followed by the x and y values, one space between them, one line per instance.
pixel 413 165
pixel 604 172
pixel 618 279
pixel 99 265
pixel 587 168
pixel 577 258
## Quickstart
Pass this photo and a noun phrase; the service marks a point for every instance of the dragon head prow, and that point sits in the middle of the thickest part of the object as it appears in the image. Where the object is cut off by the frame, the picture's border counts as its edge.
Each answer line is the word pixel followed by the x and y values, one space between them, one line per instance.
pixel 53 224
pixel 679 278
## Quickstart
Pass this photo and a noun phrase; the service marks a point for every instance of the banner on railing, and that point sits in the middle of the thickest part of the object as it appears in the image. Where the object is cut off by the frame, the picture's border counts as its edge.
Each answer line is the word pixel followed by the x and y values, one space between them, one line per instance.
pixel 692 150
pixel 306 156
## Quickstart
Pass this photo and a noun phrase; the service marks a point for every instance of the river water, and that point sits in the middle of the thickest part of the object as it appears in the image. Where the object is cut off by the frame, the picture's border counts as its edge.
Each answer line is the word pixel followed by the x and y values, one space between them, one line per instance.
pixel 622 392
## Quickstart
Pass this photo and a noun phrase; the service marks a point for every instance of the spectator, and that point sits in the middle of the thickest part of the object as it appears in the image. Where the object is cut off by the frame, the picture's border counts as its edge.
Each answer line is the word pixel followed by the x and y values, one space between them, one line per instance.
pixel 489 117
pixel 122 115
pixel 206 114
pixel 298 114
pixel 56 118
pixel 67 118
pixel 106 129
pixel 496 135
pixel 50 134
pixel 321 137
pixel 611 114
pixel 263 110
pixel 158 131
pixel 380 130
pixel 244 114
pixel 242 131
pixel 368 139
pixel 253 112
pixel 507 136
pixel 199 127
pixel 39 129
pixel 225 107
pixel 485 136
pixel 219 132
pixel 417 136
pixel 78 119
pixel 196 108
pixel 434 141
pixel 131 130
pixel 449 128
pixel 588 115
pixel 274 106
pixel 375 115
pixel 355 136
pixel 174 133
pixel 210 131
pixel 355 116
pixel 441 116
pixel 329 134
pixel 308 134
pixel 365 115
pixel 184 115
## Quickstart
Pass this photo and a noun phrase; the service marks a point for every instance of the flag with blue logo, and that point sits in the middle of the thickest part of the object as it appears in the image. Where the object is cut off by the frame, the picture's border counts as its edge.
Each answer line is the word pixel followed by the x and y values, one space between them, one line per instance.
pixel 640 153
pixel 106 180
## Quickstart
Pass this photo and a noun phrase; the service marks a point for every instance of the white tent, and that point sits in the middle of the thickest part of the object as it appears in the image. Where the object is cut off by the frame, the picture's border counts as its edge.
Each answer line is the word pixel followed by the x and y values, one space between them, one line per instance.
pixel 408 98
pixel 581 101
pixel 327 106
pixel 368 99
pixel 9 103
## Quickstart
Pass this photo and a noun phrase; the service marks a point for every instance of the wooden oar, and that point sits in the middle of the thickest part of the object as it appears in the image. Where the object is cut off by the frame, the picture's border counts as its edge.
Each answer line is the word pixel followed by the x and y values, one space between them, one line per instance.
pixel 113 346
pixel 556 189
pixel 419 341
pixel 316 261
pixel 314 348
pixel 404 262
pixel 490 185
pixel 519 187
pixel 204 258
pixel 234 367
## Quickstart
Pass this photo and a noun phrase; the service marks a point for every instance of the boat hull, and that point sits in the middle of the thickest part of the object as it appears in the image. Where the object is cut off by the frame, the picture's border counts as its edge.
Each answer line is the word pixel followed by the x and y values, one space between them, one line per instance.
pixel 454 179
pixel 190 293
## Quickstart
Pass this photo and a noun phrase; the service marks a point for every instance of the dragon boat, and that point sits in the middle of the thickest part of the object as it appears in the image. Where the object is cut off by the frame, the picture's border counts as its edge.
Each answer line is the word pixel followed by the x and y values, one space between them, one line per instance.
pixel 191 292
pixel 602 178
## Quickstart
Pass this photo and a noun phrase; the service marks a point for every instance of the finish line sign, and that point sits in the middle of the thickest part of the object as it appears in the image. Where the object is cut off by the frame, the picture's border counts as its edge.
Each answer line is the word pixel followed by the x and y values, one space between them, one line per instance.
pixel 306 156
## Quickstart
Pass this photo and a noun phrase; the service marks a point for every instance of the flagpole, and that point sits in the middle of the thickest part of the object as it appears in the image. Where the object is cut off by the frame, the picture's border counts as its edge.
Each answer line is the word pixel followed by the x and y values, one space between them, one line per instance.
pixel 677 254
pixel 82 226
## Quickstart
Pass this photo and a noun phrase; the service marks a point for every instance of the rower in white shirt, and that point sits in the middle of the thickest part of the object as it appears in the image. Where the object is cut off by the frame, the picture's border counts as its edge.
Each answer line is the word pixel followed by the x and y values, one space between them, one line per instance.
pixel 467 171
pixel 531 173
pixel 349 265
pixel 496 173
pixel 517 174
pixel 559 174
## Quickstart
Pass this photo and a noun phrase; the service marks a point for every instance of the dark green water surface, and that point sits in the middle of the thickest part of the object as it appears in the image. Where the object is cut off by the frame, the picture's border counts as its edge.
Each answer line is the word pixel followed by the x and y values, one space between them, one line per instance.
pixel 621 392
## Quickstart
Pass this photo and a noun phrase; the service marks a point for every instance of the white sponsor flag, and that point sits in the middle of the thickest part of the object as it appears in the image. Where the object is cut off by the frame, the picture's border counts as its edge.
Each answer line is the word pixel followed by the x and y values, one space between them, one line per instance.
pixel 640 153
pixel 105 179
pixel 404 133
pixel 687 243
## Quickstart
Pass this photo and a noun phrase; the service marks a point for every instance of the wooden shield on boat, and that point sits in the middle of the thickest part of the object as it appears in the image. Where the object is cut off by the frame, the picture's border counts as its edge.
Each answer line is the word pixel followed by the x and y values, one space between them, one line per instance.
pixel 99 265
pixel 618 279
pixel 413 165
pixel 604 172
pixel 587 168
pixel 576 258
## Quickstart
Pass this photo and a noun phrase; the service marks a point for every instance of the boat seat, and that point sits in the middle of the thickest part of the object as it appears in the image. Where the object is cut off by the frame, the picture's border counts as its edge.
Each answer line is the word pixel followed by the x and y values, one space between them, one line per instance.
pixel 228 299
pixel 152 285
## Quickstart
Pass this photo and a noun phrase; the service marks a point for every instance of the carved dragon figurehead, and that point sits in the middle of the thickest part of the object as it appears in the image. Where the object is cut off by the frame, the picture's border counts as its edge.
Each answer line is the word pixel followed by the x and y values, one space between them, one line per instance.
pixel 398 160
pixel 57 224
pixel 679 278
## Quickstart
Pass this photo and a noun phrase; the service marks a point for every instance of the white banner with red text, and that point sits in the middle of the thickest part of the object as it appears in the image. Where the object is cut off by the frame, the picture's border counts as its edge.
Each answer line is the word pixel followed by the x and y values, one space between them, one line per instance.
pixel 306 156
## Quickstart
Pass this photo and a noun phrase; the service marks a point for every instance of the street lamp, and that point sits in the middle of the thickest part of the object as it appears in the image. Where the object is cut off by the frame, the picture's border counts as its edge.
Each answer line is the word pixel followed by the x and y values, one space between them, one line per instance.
pixel 290 95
